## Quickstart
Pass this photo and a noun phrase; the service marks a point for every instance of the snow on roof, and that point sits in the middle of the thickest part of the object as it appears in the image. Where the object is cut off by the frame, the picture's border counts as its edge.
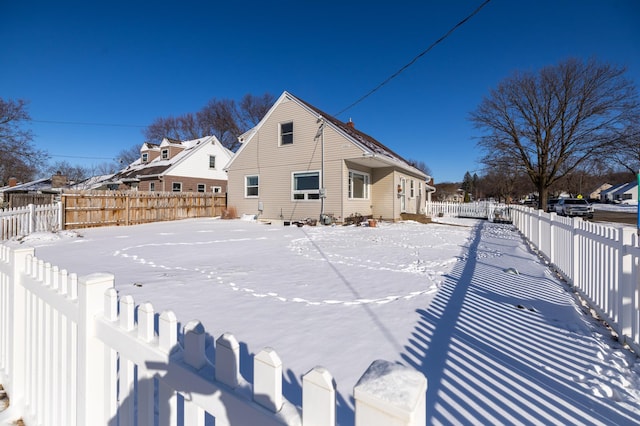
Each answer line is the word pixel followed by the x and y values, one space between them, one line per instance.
pixel 160 165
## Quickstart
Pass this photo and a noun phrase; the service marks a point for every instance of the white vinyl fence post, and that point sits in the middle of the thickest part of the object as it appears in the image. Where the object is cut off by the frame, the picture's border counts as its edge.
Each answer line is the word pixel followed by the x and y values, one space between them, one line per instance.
pixel 318 398
pixel 390 394
pixel 574 269
pixel 17 332
pixel 626 285
pixel 60 216
pixel 267 379
pixel 228 360
pixel 32 218
pixel 93 404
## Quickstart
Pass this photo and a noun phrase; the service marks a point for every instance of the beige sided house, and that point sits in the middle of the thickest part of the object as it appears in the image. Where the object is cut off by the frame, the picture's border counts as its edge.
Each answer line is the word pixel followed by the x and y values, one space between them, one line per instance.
pixel 177 166
pixel 299 163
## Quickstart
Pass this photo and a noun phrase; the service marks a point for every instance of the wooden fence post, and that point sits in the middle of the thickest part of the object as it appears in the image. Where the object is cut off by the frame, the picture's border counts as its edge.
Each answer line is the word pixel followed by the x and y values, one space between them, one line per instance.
pixel 390 394
pixel 93 404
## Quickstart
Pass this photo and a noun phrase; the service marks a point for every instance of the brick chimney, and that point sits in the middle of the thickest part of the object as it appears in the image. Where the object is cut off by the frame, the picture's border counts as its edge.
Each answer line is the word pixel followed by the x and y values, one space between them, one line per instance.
pixel 350 124
pixel 12 182
pixel 58 180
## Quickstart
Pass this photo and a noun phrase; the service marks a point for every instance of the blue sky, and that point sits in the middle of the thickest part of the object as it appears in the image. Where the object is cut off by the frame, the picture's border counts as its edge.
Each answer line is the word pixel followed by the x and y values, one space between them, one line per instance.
pixel 126 63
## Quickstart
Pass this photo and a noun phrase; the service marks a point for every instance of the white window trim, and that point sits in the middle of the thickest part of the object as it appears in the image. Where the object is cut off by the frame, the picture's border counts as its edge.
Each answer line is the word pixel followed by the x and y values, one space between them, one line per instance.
pixel 214 162
pixel 245 186
pixel 412 189
pixel 152 186
pixel 201 185
pixel 164 154
pixel 145 157
pixel 367 185
pixel 173 186
pixel 306 192
pixel 280 133
pixel 217 189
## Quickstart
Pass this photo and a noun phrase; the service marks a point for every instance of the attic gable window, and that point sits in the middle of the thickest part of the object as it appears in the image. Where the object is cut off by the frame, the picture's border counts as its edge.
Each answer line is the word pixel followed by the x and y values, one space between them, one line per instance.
pixel 212 161
pixel 165 153
pixel 286 133
pixel 145 157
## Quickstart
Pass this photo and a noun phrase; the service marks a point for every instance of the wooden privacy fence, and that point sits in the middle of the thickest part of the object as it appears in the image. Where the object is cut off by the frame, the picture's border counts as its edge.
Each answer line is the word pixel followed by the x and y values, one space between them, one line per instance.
pixel 601 262
pixel 23 200
pixel 73 354
pixel 20 221
pixel 83 209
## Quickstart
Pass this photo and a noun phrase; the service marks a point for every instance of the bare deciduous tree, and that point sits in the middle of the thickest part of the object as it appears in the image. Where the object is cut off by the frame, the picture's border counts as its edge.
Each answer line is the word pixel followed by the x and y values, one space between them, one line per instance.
pixel 550 123
pixel 128 156
pixel 19 159
pixel 627 152
pixel 223 118
pixel 74 173
pixel 420 165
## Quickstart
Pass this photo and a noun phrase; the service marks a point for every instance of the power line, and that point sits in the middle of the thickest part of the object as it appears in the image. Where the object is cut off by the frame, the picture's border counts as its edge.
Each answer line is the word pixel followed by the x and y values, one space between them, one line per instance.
pixel 84 158
pixel 80 123
pixel 459 24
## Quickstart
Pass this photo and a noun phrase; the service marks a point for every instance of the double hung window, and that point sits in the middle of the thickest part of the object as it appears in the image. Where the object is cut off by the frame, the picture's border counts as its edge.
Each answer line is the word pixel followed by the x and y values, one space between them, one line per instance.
pixel 251 186
pixel 286 133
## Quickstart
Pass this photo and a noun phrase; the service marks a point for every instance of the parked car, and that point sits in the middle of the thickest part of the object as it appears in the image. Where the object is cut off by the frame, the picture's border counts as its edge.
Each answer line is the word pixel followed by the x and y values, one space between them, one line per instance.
pixel 574 207
pixel 551 205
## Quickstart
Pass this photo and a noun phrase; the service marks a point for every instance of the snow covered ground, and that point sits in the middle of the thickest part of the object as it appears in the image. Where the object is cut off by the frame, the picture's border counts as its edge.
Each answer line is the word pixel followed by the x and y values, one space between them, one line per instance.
pixel 498 336
pixel 624 208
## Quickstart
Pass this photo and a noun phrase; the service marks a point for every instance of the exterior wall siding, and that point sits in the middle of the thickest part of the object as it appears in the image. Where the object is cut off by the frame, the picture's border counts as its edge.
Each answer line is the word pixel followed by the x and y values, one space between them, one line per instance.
pixel 264 156
pixel 188 184
pixel 274 164
pixel 384 194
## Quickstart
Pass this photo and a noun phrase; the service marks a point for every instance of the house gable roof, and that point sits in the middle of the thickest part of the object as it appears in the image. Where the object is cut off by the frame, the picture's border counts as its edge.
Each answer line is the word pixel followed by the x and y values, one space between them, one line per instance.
pixel 159 166
pixel 625 187
pixel 366 143
pixel 612 189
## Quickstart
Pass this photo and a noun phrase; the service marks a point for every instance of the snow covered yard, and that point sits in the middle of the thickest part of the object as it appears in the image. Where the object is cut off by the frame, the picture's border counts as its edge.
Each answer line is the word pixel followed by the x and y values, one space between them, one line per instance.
pixel 498 337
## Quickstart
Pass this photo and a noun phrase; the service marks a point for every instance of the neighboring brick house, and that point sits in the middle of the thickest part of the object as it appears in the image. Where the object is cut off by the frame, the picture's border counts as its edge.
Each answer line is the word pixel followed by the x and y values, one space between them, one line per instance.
pixel 299 162
pixel 177 166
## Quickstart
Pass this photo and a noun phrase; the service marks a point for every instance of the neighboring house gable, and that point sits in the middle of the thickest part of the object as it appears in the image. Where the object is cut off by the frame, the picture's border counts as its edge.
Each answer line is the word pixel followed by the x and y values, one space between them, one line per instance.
pixel 179 166
pixel 596 193
pixel 607 194
pixel 299 162
pixel 627 192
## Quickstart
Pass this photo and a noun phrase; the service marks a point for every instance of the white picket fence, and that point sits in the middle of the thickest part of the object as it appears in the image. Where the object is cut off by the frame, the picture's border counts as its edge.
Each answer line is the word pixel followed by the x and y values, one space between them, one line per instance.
pixel 494 212
pixel 21 221
pixel 600 262
pixel 72 353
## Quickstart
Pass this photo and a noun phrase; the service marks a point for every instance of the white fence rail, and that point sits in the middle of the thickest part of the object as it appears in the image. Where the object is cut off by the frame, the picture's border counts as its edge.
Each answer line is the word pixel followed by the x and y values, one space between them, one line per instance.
pixel 20 221
pixel 600 262
pixel 494 212
pixel 73 354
